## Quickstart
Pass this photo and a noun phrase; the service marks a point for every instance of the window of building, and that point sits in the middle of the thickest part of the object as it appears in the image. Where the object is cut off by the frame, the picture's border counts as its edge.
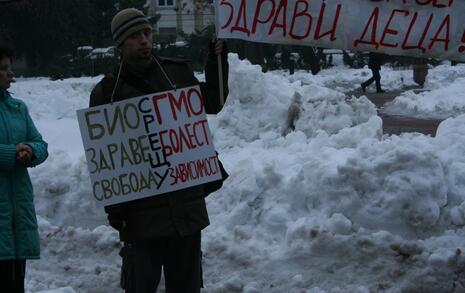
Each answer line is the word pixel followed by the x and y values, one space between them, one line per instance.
pixel 165 3
pixel 167 31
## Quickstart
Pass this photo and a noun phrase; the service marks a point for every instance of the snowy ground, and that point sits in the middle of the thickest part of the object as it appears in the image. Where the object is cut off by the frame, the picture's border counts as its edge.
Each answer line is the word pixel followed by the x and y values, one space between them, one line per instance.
pixel 443 97
pixel 318 199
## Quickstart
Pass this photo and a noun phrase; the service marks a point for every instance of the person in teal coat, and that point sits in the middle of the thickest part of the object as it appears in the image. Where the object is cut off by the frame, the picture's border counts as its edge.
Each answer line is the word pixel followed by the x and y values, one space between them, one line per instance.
pixel 21 147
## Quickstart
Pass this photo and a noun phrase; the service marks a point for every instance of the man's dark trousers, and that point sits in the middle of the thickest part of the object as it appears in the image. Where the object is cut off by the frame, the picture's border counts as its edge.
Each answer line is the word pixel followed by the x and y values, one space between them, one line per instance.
pixel 180 258
pixel 12 276
pixel 376 77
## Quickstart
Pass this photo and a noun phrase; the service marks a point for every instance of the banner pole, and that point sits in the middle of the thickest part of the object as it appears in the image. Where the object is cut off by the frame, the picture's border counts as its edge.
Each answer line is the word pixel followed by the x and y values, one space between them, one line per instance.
pixel 220 64
pixel 220 76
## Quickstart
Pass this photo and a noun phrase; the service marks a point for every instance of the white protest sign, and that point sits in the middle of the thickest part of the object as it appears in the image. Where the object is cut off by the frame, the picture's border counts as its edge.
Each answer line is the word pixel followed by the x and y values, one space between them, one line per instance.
pixel 421 28
pixel 148 145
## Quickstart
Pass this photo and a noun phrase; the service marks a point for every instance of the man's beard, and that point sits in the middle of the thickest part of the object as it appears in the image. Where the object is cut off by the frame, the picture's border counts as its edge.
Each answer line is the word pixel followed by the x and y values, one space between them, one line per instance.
pixel 144 57
pixel 140 60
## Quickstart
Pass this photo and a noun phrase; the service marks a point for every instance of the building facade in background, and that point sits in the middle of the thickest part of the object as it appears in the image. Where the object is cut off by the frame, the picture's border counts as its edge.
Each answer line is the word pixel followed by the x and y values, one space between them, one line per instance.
pixel 176 16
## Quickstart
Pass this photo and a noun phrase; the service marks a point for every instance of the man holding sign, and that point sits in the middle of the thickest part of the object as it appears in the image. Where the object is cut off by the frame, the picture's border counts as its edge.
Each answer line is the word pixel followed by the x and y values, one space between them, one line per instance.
pixel 162 230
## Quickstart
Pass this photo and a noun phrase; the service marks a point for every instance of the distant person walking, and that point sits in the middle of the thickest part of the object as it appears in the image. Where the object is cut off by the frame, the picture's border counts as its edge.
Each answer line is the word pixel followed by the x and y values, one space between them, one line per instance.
pixel 21 147
pixel 374 63
pixel 311 60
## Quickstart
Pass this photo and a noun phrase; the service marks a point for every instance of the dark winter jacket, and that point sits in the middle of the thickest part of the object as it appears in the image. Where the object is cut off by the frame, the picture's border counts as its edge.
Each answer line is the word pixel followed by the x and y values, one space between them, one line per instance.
pixel 375 60
pixel 19 238
pixel 180 212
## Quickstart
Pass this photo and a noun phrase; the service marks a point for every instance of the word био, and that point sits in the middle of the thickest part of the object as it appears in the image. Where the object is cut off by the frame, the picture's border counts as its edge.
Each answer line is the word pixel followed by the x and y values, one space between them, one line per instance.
pixel 130 116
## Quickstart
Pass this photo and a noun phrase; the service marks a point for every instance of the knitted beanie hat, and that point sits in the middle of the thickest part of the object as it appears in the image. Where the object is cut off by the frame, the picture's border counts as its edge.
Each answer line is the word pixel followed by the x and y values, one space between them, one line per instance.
pixel 126 22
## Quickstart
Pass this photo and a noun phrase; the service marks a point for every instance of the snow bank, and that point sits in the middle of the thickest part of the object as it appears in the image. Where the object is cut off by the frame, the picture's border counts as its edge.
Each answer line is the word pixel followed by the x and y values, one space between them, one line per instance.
pixel 346 80
pixel 62 184
pixel 318 199
pixel 59 290
pixel 443 97
pixel 332 206
pixel 83 260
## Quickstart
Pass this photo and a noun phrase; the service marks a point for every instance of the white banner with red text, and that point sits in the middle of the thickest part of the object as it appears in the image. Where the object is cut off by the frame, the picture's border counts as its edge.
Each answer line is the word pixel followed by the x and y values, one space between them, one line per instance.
pixel 420 28
pixel 148 145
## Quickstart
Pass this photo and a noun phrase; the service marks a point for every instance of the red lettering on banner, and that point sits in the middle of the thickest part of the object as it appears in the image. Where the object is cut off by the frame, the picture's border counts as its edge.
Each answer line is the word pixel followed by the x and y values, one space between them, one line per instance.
pixel 191 93
pixel 193 170
pixel 155 99
pixel 231 13
pixel 403 1
pixel 419 45
pixel 445 24
pixel 191 136
pixel 434 3
pixel 176 104
pixel 462 48
pixel 400 24
pixel 331 32
pixel 373 22
pixel 257 19
pixel 425 2
pixel 299 14
pixel 190 102
pixel 282 9
pixel 390 31
pixel 241 16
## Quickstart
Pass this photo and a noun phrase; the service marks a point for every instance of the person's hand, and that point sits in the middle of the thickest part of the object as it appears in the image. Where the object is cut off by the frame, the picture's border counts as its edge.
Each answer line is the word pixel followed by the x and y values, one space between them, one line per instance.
pixel 23 154
pixel 218 45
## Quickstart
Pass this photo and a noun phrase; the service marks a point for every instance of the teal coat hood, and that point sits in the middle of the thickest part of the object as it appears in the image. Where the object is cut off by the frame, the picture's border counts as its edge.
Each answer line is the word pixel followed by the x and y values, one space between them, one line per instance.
pixel 19 238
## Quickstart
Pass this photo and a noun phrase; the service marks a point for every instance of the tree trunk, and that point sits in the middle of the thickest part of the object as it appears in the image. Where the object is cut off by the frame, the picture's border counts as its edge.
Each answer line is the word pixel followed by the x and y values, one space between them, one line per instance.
pixel 179 24
pixel 198 19
pixel 152 13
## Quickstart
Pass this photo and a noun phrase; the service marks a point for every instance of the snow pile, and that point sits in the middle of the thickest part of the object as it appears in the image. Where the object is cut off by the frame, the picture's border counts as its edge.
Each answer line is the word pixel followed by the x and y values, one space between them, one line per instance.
pixel 333 205
pixel 53 106
pixel 268 103
pixel 318 200
pixel 59 290
pixel 347 80
pixel 55 99
pixel 61 185
pixel 62 190
pixel 444 96
pixel 78 258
